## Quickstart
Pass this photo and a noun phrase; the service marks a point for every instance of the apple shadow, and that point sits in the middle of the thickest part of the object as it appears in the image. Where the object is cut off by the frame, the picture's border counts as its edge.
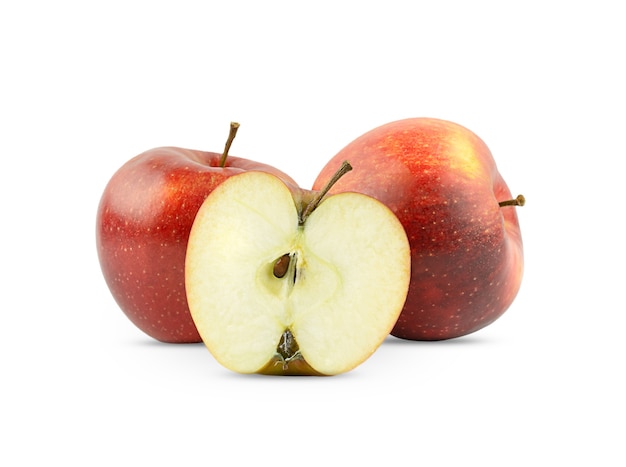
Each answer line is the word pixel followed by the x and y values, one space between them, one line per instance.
pixel 149 342
pixel 457 341
pixel 280 379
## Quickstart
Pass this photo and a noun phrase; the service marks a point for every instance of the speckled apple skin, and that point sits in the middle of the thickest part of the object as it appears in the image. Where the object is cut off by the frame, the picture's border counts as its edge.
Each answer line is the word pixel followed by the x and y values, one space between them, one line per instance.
pixel 441 181
pixel 142 228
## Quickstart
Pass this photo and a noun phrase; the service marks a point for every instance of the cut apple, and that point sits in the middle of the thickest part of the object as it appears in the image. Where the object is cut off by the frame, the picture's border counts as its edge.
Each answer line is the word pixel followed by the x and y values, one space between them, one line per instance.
pixel 281 281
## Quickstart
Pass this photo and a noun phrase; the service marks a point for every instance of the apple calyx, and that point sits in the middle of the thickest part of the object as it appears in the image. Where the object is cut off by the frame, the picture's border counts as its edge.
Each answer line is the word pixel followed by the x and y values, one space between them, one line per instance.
pixel 518 201
pixel 288 360
pixel 234 126
pixel 288 353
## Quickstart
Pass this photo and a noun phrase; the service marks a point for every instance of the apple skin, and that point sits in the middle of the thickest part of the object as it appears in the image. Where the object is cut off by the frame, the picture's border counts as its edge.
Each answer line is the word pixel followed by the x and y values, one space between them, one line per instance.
pixel 441 181
pixel 142 228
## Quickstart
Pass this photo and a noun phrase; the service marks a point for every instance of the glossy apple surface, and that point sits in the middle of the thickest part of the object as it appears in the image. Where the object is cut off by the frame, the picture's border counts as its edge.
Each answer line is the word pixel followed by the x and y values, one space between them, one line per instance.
pixel 442 182
pixel 142 228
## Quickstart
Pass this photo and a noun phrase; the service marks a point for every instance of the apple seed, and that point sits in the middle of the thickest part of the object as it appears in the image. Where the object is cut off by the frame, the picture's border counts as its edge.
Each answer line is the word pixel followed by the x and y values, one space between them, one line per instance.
pixel 281 266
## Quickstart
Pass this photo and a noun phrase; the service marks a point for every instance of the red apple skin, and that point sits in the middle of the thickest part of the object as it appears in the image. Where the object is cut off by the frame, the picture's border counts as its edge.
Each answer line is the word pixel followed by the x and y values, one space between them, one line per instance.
pixel 441 181
pixel 142 228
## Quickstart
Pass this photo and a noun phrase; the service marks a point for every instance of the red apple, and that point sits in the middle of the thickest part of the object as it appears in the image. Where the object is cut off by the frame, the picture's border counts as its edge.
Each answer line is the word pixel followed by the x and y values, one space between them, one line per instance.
pixel 142 228
pixel 442 183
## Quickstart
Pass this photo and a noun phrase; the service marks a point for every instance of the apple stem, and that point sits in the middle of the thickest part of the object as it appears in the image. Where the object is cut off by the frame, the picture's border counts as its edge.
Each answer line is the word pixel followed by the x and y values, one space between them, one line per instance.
pixel 234 126
pixel 519 201
pixel 344 169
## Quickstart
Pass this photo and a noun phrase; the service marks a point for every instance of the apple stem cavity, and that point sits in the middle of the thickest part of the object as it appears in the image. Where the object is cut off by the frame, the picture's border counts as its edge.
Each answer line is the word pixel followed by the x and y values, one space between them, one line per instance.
pixel 519 201
pixel 344 169
pixel 234 126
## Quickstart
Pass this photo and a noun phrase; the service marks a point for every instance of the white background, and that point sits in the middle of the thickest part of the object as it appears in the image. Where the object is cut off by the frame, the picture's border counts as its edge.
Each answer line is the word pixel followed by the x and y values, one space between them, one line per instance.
pixel 87 85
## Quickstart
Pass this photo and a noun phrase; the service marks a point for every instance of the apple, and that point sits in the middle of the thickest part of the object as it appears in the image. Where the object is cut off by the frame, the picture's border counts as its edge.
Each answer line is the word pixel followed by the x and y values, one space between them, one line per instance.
pixel 441 180
pixel 142 227
pixel 286 281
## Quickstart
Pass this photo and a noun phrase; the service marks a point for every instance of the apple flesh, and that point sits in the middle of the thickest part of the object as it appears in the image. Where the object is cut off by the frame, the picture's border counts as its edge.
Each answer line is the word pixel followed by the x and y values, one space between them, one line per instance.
pixel 282 282
pixel 142 228
pixel 442 182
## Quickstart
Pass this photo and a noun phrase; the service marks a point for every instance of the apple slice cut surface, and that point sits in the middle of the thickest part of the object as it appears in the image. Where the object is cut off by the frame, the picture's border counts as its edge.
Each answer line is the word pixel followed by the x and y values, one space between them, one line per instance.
pixel 268 291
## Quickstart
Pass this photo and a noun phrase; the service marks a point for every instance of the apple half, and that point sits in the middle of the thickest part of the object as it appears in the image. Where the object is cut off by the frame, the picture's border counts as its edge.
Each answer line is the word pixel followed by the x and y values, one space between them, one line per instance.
pixel 282 280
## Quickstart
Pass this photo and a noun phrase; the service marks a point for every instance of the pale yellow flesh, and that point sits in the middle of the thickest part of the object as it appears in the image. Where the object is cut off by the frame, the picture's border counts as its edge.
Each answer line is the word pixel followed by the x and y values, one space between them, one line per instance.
pixel 353 270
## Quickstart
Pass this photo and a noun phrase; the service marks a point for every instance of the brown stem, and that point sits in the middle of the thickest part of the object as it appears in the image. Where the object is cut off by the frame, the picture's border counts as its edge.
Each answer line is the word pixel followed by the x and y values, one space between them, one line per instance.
pixel 519 201
pixel 344 169
pixel 234 126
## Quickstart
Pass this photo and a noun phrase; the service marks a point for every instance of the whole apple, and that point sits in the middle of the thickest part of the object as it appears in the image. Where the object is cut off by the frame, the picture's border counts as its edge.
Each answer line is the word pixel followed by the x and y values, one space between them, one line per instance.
pixel 142 229
pixel 441 181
